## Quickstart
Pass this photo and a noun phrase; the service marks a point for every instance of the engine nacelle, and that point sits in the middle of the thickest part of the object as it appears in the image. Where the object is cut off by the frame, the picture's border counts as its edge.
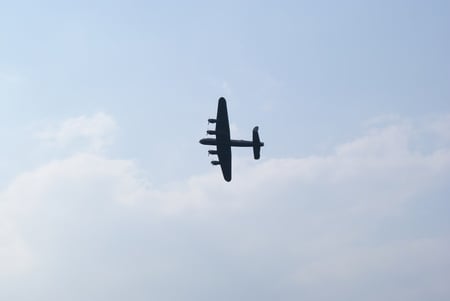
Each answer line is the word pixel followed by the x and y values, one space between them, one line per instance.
pixel 212 152
pixel 215 162
pixel 211 132
pixel 212 120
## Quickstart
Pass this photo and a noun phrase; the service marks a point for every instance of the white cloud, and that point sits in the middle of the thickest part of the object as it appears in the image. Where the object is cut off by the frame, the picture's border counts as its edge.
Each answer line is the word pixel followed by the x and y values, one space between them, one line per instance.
pixel 15 256
pixel 93 226
pixel 95 131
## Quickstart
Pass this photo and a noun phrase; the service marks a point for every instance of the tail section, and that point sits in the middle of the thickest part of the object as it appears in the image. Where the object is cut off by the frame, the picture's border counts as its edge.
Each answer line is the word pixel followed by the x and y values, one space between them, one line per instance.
pixel 256 144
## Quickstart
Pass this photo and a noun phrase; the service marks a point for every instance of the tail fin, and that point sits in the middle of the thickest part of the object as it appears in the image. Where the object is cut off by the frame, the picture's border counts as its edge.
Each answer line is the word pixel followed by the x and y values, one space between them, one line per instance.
pixel 256 143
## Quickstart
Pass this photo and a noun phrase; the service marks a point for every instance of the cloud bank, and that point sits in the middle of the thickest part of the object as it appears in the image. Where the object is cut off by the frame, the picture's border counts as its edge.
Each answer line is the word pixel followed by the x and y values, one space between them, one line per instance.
pixel 366 222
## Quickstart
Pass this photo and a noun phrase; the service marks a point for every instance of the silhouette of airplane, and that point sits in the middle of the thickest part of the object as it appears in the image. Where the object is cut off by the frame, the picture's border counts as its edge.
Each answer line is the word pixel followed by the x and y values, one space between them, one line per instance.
pixel 223 142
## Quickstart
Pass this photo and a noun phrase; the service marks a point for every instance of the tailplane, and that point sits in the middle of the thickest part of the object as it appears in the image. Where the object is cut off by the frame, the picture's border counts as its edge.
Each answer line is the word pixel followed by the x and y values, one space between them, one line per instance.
pixel 256 144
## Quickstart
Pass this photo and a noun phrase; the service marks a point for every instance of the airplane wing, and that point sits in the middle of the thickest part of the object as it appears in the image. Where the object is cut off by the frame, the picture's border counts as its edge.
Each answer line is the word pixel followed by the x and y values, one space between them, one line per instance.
pixel 223 139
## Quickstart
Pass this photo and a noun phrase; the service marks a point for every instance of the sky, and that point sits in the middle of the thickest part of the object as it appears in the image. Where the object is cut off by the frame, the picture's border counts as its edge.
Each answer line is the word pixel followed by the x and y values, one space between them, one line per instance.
pixel 106 194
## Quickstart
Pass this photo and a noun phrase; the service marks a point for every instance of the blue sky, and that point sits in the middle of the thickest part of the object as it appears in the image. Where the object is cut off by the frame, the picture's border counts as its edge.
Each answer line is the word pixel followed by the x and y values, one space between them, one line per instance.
pixel 105 192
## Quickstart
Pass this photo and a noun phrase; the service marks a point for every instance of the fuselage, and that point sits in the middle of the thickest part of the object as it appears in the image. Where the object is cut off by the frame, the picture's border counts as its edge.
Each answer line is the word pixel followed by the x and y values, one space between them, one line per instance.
pixel 237 143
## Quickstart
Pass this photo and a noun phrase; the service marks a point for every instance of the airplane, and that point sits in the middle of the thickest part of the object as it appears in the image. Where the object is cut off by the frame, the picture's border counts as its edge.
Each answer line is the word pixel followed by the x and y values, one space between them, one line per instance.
pixel 223 142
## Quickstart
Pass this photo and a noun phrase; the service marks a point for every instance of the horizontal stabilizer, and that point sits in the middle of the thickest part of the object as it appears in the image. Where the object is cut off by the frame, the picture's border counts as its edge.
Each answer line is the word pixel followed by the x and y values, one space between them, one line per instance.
pixel 256 144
